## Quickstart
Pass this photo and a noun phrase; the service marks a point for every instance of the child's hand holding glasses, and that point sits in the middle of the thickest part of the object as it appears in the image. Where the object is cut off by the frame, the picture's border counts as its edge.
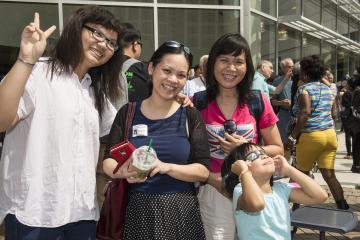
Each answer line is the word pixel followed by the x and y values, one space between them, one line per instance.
pixel 239 167
pixel 282 167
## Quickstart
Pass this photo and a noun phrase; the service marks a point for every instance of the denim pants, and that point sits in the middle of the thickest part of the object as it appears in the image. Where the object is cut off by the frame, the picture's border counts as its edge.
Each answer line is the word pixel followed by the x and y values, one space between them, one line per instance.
pixel 82 230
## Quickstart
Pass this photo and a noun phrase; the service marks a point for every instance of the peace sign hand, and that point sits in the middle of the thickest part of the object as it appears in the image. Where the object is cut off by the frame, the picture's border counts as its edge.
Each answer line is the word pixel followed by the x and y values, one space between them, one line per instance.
pixel 33 40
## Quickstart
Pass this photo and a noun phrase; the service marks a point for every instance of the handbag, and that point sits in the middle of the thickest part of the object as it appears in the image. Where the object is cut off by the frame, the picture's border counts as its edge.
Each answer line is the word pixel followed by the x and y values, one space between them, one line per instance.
pixel 112 215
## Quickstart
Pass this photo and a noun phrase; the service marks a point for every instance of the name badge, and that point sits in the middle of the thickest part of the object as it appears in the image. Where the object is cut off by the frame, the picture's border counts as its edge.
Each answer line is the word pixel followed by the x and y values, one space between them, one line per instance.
pixel 140 130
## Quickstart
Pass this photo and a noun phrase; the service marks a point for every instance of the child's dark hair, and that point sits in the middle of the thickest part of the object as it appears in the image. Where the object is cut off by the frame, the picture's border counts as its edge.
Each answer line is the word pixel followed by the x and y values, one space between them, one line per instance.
pixel 230 179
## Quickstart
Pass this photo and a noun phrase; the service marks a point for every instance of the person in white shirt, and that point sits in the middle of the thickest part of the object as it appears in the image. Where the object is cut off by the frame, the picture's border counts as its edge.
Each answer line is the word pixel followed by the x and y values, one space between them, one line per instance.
pixel 54 111
pixel 197 84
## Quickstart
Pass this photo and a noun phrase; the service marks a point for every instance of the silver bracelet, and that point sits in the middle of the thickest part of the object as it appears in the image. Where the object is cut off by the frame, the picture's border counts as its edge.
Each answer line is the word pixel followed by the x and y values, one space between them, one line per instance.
pixel 25 62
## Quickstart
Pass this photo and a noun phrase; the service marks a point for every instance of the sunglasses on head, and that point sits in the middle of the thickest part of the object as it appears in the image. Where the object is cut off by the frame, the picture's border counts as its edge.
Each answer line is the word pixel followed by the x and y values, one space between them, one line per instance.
pixel 230 126
pixel 251 156
pixel 175 44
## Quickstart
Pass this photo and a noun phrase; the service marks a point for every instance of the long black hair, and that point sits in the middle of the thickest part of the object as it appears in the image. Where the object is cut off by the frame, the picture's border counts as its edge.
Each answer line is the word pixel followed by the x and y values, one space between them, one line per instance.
pixel 68 53
pixel 234 44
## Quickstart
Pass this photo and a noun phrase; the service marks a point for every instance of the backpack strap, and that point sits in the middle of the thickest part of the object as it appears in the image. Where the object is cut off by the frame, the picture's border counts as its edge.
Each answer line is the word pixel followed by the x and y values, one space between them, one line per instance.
pixel 127 64
pixel 256 108
pixel 200 100
pixel 124 84
pixel 255 105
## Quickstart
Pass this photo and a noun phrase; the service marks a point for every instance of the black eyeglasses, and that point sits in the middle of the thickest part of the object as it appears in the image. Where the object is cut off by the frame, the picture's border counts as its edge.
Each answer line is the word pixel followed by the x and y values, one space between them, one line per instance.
pixel 99 36
pixel 251 156
pixel 175 44
pixel 230 126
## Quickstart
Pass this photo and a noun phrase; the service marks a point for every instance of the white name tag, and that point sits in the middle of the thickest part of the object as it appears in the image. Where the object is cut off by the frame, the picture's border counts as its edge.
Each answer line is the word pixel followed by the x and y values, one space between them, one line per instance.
pixel 140 130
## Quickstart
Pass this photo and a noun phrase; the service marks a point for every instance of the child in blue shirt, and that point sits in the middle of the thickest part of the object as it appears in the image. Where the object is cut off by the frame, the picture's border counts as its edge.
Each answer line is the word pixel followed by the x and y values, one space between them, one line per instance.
pixel 261 209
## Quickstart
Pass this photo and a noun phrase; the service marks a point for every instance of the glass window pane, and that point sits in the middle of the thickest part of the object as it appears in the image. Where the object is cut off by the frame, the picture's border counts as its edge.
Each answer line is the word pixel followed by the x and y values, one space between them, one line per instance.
pixel 289 7
pixel 142 18
pixel 262 43
pixel 354 61
pixel 19 15
pixel 342 22
pixel 144 1
pixel 311 10
pixel 354 29
pixel 311 46
pixel 203 2
pixel 328 55
pixel 329 14
pixel 342 64
pixel 266 6
pixel 196 28
pixel 289 43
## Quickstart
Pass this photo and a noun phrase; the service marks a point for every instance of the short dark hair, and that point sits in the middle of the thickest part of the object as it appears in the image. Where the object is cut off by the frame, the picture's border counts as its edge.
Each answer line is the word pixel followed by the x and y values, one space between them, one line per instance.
pixel 130 34
pixel 68 52
pixel 313 67
pixel 234 44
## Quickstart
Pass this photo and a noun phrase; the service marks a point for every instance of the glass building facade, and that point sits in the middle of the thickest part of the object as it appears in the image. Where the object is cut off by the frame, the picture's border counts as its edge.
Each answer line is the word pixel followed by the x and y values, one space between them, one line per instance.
pixel 198 23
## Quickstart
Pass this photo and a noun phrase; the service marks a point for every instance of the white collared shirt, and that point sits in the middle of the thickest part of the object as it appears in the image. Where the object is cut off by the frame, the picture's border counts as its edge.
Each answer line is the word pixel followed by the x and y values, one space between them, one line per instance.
pixel 48 163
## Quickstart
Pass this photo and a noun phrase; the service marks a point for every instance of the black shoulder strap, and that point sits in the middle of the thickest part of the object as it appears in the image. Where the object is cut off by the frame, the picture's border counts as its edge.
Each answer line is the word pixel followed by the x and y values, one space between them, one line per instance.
pixel 190 120
pixel 200 100
pixel 256 107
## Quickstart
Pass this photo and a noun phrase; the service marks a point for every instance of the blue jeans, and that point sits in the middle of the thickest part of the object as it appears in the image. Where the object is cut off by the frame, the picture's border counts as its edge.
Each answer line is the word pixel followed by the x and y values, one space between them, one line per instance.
pixel 82 230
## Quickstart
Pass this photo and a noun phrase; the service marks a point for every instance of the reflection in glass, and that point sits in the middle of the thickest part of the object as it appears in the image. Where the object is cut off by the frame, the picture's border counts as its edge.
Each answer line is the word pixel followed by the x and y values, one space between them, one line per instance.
pixel 328 55
pixel 142 18
pixel 342 23
pixel 262 42
pixel 267 6
pixel 289 7
pixel 311 9
pixel 289 46
pixel 143 1
pixel 354 62
pixel 196 28
pixel 329 14
pixel 342 64
pixel 311 46
pixel 354 29
pixel 204 2
pixel 20 15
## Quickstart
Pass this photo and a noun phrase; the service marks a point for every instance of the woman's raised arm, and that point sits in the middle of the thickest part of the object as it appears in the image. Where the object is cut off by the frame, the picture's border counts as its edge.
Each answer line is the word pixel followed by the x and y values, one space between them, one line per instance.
pixel 32 46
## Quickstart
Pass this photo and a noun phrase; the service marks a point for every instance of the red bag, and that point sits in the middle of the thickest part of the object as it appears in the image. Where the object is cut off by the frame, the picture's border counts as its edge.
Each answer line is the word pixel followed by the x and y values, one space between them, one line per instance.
pixel 121 152
pixel 112 215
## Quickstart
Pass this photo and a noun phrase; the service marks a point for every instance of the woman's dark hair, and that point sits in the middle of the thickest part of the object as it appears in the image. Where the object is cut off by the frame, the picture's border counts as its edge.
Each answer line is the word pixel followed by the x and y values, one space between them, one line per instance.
pixel 234 44
pixel 171 47
pixel 130 35
pixel 312 67
pixel 229 178
pixel 68 53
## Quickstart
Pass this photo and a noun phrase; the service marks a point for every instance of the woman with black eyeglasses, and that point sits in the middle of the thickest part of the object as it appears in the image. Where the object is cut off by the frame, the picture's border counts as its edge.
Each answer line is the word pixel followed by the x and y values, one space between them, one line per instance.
pixel 231 122
pixel 164 204
pixel 54 110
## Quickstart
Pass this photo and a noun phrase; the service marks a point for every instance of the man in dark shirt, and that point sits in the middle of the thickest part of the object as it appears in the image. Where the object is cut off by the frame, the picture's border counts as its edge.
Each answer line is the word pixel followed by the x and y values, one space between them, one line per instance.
pixel 136 74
